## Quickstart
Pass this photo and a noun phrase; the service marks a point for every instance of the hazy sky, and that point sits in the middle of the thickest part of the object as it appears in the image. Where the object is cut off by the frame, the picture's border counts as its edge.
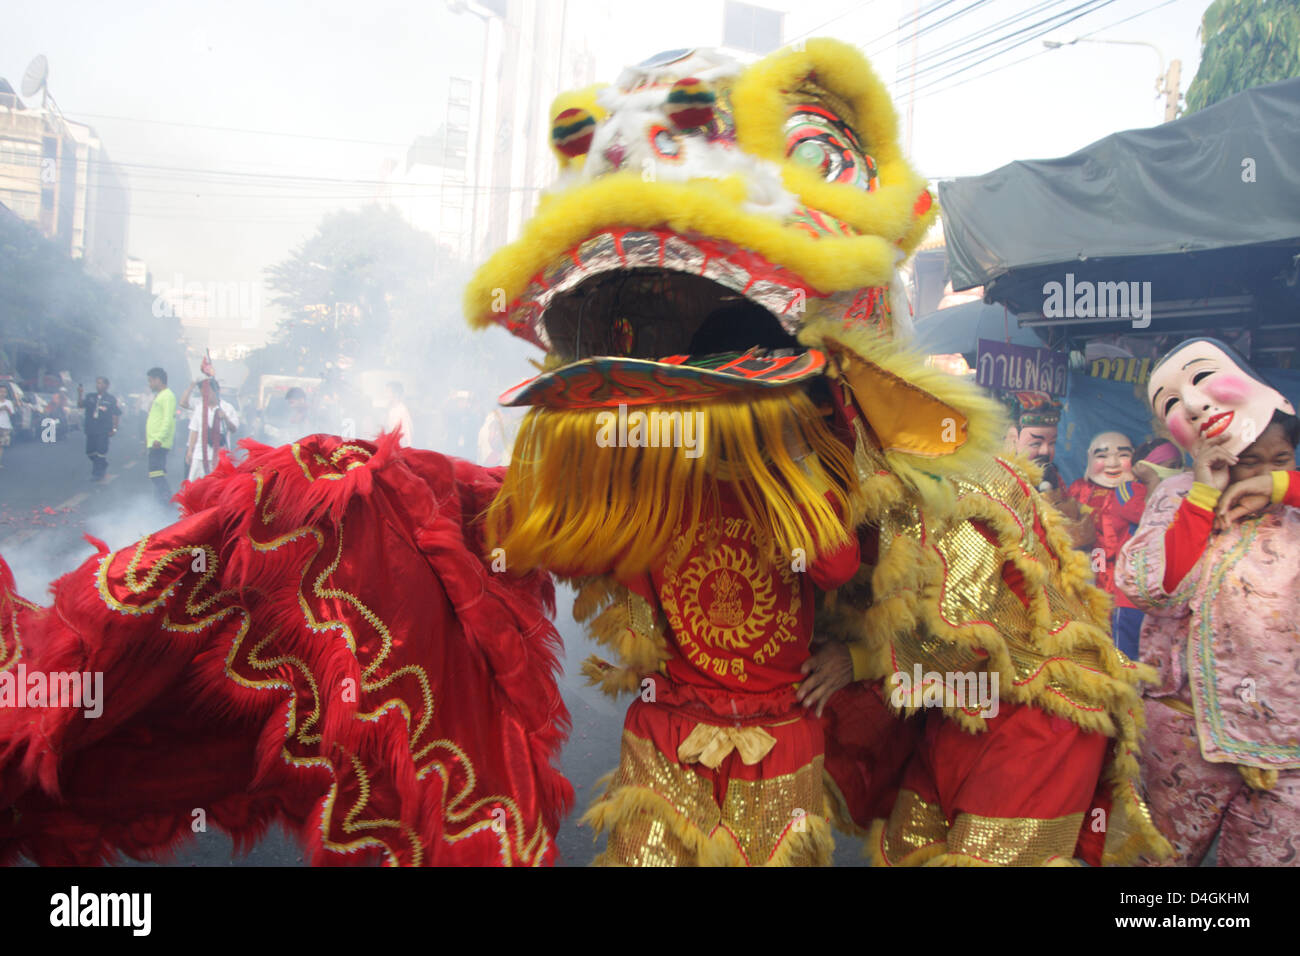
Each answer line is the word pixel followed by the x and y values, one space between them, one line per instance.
pixel 329 89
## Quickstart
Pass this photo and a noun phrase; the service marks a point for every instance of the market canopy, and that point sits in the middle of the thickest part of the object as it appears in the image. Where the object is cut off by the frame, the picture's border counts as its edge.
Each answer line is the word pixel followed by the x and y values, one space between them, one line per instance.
pixel 1206 208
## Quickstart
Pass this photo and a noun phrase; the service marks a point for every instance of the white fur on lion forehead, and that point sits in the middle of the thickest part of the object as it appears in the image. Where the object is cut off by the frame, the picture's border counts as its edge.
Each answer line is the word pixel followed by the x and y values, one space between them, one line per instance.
pixel 632 113
pixel 705 65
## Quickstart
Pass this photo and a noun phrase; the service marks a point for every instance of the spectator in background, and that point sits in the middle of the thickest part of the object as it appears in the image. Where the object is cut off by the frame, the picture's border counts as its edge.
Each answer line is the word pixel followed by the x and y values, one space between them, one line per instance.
pixel 205 444
pixel 462 422
pixel 8 411
pixel 160 432
pixel 102 418
pixel 289 418
pixel 494 440
pixel 398 414
pixel 1113 500
pixel 1156 460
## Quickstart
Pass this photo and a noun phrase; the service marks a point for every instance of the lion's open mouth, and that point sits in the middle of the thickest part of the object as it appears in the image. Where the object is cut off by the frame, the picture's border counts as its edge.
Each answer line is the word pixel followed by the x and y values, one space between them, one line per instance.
pixel 642 293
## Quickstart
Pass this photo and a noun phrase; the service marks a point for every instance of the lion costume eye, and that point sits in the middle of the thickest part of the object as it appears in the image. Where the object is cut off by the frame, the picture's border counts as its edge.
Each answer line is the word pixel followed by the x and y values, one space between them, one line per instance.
pixel 818 139
pixel 665 143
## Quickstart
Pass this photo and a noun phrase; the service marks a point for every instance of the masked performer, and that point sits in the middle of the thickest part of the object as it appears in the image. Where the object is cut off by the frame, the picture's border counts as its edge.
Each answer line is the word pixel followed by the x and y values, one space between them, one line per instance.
pixel 1213 562
pixel 1035 423
pixel 726 426
pixel 1114 499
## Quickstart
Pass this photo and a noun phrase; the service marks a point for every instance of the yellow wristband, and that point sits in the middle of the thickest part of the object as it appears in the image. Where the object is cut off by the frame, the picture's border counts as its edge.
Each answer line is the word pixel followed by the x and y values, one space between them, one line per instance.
pixel 861 659
pixel 1281 482
pixel 1204 496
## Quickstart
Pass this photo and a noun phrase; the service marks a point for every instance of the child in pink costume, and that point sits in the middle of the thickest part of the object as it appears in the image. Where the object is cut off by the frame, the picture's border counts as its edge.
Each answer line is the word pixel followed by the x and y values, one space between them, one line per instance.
pixel 1214 565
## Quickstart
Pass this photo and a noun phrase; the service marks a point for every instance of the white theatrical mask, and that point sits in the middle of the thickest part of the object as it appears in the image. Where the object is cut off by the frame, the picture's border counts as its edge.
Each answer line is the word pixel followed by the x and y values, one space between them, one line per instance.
pixel 1201 391
pixel 1110 459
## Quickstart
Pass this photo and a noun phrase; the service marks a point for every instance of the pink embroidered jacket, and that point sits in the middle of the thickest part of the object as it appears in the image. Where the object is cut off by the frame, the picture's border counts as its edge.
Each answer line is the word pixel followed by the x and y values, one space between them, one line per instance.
pixel 1228 637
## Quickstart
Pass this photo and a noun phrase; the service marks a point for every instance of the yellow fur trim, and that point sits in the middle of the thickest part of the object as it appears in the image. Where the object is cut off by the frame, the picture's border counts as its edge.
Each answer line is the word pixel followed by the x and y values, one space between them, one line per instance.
pixel 837 808
pixel 709 207
pixel 544 514
pixel 1130 832
pixel 761 99
pixel 873 849
pixel 625 623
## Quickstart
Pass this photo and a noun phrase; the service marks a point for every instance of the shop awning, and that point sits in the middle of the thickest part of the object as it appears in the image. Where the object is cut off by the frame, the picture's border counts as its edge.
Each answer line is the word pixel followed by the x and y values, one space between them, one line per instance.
pixel 1206 208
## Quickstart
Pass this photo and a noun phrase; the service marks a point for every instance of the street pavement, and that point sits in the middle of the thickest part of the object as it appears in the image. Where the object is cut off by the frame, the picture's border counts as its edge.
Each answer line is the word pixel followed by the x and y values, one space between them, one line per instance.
pixel 47 502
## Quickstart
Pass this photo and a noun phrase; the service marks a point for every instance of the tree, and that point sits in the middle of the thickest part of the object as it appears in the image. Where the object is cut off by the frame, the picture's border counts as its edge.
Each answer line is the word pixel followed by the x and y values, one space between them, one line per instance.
pixel 64 318
pixel 1245 43
pixel 366 286
pixel 371 289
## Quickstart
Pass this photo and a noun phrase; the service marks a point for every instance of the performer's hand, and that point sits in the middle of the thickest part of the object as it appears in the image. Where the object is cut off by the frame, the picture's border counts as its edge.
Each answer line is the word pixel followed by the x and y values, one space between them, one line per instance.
pixel 1144 473
pixel 1066 506
pixel 1213 461
pixel 1243 499
pixel 1083 533
pixel 829 669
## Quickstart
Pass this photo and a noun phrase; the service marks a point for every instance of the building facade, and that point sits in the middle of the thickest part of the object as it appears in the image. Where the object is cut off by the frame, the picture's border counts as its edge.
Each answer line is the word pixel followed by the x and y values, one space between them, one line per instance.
pixel 56 175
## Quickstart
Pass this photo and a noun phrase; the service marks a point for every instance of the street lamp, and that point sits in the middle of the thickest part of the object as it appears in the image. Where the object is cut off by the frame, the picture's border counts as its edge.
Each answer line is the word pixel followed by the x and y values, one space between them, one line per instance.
pixel 1167 83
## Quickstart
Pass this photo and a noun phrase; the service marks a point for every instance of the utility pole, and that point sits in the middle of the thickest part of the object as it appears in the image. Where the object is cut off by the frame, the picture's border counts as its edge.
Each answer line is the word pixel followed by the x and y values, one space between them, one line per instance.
pixel 1167 81
pixel 1171 89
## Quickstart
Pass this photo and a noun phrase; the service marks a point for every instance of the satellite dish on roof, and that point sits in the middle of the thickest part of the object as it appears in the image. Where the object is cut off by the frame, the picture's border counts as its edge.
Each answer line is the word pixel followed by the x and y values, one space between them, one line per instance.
pixel 38 72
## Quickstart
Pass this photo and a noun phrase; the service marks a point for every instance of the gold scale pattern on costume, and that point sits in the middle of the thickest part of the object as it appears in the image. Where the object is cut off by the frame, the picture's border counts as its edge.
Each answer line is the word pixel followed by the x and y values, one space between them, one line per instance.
pixel 973 592
pixel 1014 841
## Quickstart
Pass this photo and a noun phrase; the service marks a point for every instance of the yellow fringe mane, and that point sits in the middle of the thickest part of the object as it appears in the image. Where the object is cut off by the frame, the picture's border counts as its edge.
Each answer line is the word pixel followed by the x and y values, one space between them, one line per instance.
pixel 576 506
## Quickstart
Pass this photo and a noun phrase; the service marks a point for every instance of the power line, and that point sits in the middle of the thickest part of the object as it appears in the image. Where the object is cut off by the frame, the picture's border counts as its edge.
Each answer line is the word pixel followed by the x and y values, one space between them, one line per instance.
pixel 235 129
pixel 935 92
pixel 991 28
pixel 841 16
pixel 1048 24
pixel 898 35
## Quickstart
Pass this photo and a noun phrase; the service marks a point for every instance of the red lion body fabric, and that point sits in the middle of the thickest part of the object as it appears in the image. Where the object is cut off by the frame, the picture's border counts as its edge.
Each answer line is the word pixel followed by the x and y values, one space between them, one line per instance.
pixel 318 641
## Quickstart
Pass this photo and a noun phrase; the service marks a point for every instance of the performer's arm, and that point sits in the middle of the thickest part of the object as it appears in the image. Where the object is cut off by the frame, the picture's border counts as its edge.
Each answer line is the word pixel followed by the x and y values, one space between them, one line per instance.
pixel 832 569
pixel 1131 510
pixel 1186 536
pixel 836 568
pixel 1251 495
pixel 1286 488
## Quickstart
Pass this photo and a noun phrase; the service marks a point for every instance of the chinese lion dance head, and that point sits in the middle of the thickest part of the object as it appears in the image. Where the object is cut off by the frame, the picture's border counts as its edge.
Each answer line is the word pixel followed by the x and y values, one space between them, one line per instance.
pixel 721 245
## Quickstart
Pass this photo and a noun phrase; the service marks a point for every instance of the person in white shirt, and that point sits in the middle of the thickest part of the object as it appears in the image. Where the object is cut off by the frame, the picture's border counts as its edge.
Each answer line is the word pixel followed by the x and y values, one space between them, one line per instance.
pixel 222 421
pixel 8 411
pixel 398 414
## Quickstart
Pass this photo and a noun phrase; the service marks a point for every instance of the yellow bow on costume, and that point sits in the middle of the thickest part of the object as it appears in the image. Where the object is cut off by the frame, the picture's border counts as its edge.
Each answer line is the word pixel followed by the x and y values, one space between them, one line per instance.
pixel 710 744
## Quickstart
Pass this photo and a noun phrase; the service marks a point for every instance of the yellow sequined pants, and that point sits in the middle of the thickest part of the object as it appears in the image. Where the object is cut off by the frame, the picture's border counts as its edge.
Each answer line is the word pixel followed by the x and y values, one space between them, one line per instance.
pixel 661 811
